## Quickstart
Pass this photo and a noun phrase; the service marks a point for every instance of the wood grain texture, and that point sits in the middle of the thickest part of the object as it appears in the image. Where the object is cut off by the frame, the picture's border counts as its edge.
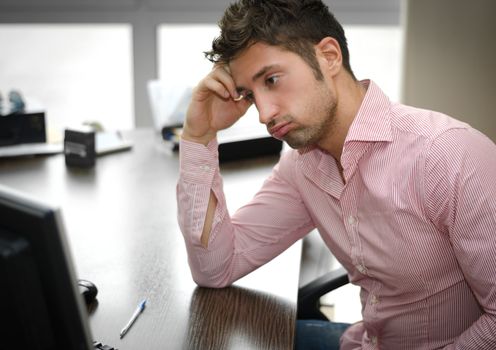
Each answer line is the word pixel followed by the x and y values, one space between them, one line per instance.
pixel 121 224
pixel 239 318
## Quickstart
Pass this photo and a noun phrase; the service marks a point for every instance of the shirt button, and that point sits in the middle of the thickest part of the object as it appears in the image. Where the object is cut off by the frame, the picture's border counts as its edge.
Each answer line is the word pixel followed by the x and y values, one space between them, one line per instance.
pixel 205 168
pixel 360 268
pixel 374 300
pixel 373 340
pixel 352 220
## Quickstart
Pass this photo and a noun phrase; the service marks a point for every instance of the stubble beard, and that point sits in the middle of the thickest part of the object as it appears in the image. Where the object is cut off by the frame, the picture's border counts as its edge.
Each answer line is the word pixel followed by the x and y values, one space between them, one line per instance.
pixel 324 108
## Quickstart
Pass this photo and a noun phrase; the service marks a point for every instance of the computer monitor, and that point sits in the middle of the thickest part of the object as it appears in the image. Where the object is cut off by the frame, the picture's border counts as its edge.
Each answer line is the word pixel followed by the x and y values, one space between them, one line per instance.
pixel 40 304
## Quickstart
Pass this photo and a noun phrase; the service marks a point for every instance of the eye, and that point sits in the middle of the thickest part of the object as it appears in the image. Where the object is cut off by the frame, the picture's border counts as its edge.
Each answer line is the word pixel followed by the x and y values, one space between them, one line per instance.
pixel 272 80
pixel 249 96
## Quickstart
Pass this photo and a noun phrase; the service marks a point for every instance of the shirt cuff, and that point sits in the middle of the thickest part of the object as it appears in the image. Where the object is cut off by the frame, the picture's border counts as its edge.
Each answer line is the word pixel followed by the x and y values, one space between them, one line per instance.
pixel 197 162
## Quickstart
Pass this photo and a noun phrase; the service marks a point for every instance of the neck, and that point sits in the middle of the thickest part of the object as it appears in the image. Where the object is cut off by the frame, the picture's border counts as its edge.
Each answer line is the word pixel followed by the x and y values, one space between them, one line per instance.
pixel 349 96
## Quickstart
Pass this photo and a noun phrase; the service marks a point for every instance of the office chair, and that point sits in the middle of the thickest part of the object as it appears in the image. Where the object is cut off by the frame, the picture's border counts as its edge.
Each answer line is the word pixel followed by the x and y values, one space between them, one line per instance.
pixel 309 295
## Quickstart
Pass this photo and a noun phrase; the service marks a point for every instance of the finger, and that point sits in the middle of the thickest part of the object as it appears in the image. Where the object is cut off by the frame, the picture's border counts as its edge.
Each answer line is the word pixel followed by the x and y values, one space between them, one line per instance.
pixel 214 85
pixel 223 74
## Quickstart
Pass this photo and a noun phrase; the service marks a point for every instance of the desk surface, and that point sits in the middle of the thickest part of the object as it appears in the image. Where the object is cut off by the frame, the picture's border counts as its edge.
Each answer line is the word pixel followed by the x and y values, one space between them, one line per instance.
pixel 120 218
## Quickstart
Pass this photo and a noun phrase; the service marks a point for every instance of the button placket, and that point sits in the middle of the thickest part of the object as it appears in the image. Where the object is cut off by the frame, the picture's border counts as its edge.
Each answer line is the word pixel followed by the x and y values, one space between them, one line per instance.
pixel 349 206
pixel 353 228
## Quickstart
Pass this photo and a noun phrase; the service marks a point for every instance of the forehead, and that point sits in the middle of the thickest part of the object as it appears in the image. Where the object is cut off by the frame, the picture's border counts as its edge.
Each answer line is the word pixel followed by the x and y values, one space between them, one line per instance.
pixel 257 56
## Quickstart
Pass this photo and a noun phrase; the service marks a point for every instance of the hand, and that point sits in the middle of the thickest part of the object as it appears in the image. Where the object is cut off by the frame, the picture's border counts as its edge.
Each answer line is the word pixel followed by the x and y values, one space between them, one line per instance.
pixel 212 107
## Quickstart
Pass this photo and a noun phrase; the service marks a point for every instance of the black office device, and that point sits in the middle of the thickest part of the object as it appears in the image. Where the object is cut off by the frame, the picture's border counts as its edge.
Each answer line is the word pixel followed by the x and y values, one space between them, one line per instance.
pixel 40 303
pixel 249 148
pixel 235 147
pixel 80 147
pixel 21 128
pixel 88 290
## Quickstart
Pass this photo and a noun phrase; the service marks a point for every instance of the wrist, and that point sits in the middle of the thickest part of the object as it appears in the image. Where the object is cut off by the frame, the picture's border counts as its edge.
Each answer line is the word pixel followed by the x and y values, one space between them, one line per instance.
pixel 204 139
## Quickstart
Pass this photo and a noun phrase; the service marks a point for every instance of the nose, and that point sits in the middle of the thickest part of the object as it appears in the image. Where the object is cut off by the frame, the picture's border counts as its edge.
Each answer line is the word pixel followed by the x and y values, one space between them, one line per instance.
pixel 267 109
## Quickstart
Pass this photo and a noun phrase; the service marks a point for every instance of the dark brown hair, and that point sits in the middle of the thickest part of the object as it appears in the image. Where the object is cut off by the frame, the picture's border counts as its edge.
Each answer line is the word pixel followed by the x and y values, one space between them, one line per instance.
pixel 296 25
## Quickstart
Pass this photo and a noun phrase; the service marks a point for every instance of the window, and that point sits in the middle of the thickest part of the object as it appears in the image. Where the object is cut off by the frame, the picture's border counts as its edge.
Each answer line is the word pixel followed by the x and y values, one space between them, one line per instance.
pixel 73 72
pixel 376 52
pixel 182 64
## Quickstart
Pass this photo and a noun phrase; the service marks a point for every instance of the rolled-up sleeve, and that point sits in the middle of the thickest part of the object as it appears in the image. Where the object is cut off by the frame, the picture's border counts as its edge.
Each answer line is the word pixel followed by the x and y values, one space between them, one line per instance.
pixel 255 234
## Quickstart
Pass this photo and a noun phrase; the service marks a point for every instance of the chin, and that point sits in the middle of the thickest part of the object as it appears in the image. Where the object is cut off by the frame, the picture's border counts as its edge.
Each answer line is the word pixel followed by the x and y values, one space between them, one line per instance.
pixel 300 142
pixel 297 144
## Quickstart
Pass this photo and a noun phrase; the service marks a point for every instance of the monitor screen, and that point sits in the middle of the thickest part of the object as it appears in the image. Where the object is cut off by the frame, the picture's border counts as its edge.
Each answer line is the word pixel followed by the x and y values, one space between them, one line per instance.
pixel 40 304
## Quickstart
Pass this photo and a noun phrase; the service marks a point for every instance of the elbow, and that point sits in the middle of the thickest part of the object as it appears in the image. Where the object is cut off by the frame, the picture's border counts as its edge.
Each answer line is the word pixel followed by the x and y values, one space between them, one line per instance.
pixel 208 282
pixel 212 285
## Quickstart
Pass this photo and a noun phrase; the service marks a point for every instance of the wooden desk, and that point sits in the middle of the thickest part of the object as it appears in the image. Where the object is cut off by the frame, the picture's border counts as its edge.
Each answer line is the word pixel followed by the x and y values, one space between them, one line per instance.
pixel 121 223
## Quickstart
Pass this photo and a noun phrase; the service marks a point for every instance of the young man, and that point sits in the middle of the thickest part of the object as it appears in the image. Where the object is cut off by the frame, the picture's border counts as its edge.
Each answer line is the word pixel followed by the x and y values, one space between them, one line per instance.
pixel 404 198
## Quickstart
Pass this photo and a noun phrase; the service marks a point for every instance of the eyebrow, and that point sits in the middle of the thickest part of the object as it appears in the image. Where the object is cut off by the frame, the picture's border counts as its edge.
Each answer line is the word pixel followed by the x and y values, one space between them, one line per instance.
pixel 263 71
pixel 257 75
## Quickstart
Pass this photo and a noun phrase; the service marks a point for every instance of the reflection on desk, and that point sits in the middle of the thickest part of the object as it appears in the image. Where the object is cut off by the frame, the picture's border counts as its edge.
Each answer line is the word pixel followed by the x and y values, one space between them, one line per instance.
pixel 121 222
pixel 250 320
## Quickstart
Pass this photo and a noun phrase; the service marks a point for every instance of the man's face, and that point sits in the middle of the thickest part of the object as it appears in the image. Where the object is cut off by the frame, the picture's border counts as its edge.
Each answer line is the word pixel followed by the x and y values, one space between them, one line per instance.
pixel 292 103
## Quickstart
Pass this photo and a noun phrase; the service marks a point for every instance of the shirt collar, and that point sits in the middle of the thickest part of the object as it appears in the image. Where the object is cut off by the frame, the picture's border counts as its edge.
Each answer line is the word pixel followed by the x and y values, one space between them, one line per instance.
pixel 372 122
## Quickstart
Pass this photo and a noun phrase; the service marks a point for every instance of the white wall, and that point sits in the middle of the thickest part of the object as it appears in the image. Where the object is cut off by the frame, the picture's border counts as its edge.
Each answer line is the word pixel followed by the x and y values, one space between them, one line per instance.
pixel 450 59
pixel 74 73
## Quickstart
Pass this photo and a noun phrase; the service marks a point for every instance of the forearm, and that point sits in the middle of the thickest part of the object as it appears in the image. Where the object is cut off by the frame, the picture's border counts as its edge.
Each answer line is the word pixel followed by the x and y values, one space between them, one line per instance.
pixel 197 206
pixel 207 227
pixel 204 219
pixel 191 136
pixel 222 249
pixel 208 231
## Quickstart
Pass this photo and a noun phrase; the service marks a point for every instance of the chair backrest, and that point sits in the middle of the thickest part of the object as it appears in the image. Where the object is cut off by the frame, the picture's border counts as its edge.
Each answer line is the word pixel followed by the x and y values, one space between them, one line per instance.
pixel 309 294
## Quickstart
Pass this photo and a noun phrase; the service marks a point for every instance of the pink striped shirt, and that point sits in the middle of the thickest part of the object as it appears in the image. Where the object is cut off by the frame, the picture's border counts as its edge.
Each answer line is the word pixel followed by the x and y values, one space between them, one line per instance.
pixel 413 222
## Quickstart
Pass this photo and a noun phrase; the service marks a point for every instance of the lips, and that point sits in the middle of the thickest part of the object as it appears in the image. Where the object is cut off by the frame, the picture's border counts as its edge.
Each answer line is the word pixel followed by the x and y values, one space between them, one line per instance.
pixel 280 130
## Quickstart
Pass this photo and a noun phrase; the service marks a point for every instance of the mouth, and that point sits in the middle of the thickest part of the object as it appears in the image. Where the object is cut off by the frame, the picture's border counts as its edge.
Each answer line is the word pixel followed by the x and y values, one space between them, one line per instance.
pixel 280 130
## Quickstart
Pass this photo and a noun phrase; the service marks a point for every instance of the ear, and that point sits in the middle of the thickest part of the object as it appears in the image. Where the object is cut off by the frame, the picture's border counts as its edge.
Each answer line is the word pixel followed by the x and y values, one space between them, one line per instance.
pixel 329 54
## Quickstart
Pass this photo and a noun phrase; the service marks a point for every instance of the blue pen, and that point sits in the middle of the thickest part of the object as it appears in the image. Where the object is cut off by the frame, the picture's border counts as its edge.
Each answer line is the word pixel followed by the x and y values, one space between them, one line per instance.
pixel 136 313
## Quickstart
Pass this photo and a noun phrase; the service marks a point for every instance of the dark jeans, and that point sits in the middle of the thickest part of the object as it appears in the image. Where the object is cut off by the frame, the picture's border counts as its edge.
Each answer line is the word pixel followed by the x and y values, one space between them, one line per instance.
pixel 317 335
